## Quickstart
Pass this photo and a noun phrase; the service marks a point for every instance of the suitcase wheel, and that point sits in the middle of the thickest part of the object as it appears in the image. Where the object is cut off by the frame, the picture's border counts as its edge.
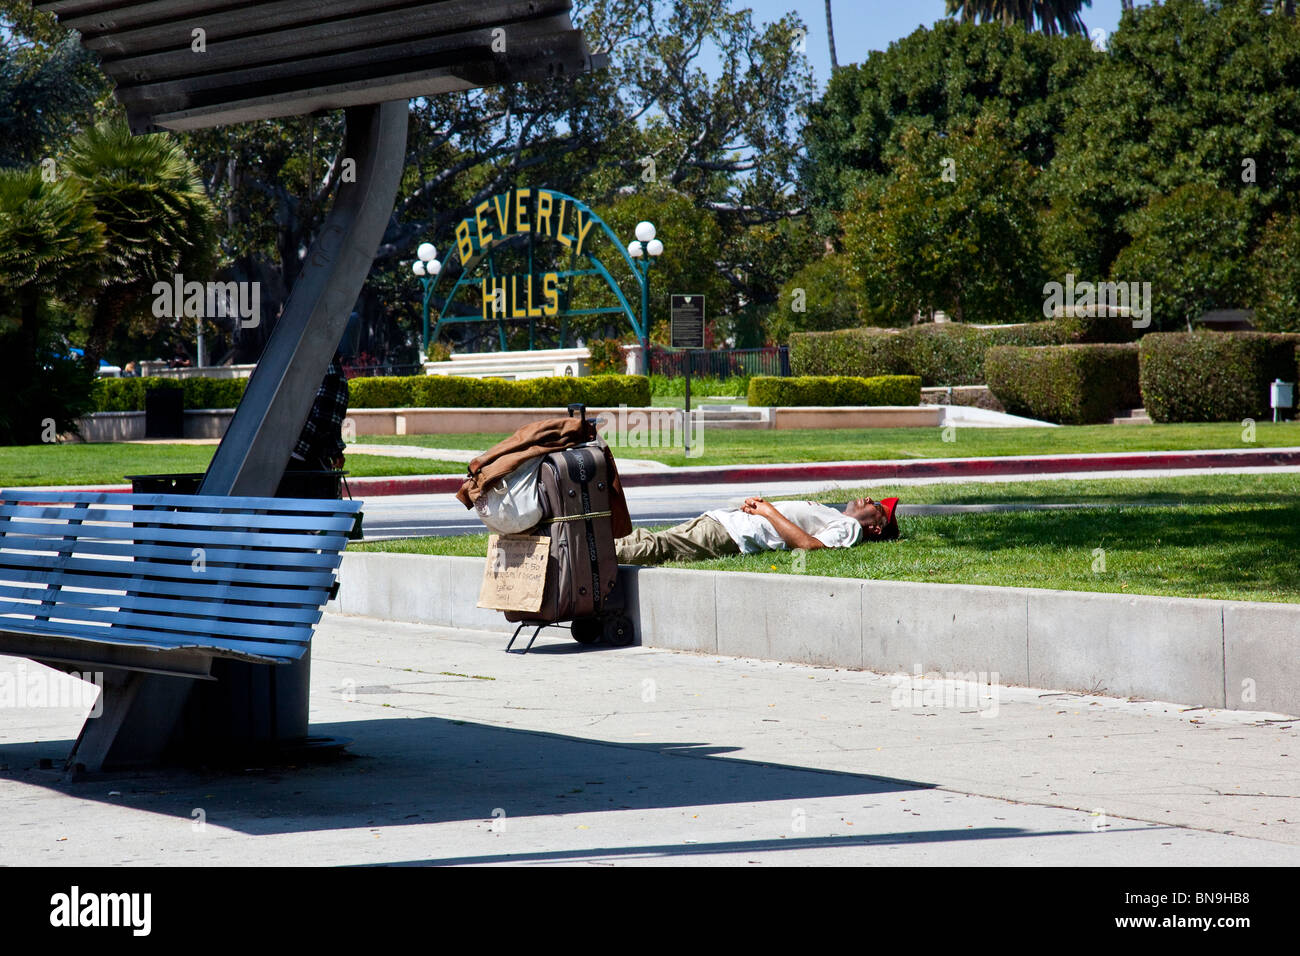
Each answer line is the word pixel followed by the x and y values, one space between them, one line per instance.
pixel 619 631
pixel 587 630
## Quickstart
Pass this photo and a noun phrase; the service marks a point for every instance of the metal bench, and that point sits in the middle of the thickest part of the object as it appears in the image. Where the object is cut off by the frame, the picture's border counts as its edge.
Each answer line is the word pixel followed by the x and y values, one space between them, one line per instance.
pixel 258 61
pixel 137 585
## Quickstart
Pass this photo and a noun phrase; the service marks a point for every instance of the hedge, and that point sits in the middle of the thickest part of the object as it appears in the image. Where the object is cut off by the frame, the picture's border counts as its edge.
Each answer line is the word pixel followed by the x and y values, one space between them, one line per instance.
pixel 127 394
pixel 1066 384
pixel 446 391
pixel 942 354
pixel 766 390
pixel 1213 376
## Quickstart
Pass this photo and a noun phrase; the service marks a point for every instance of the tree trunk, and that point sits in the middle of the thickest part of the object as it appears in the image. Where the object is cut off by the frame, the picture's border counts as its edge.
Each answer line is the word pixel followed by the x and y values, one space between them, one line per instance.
pixel 830 36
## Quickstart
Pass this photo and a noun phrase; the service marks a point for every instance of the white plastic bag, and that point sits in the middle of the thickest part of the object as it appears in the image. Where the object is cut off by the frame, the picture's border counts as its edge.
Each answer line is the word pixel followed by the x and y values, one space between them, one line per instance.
pixel 513 503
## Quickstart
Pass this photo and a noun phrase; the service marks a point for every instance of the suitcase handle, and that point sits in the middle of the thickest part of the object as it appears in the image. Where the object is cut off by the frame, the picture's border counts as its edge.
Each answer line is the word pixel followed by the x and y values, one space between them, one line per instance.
pixel 578 407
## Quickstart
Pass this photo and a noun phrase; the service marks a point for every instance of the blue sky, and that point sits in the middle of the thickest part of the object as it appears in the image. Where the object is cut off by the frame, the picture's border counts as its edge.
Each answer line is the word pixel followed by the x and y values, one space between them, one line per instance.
pixel 865 25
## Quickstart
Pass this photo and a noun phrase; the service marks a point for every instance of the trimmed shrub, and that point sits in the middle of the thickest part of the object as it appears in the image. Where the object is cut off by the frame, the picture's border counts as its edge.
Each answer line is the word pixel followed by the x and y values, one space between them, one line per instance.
pixel 127 394
pixel 946 353
pixel 1213 376
pixel 767 390
pixel 447 391
pixel 1066 384
pixel 381 391
pixel 1095 329
pixel 848 352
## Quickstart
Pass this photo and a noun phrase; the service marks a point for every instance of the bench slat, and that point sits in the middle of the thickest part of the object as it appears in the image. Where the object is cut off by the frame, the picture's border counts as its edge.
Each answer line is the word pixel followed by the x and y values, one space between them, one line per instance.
pixel 137 570
pixel 302 559
pixel 181 620
pixel 114 574
pixel 268 652
pixel 346 506
pixel 189 519
pixel 251 539
pixel 277 597
pixel 222 609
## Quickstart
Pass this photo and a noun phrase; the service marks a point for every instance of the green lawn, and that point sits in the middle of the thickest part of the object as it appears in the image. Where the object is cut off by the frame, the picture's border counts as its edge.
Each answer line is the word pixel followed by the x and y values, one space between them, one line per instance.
pixel 106 464
pixel 1230 537
pixel 726 447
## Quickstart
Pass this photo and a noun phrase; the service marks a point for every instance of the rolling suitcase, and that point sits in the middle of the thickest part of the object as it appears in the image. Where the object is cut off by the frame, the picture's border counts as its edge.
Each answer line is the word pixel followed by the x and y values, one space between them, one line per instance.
pixel 582 567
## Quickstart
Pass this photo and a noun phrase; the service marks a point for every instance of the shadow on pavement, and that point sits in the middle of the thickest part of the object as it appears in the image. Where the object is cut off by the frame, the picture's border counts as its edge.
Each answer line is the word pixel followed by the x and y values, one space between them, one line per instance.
pixel 418 770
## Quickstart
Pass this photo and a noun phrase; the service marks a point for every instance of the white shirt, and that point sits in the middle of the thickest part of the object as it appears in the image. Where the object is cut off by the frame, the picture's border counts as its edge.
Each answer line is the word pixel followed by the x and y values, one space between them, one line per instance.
pixel 753 533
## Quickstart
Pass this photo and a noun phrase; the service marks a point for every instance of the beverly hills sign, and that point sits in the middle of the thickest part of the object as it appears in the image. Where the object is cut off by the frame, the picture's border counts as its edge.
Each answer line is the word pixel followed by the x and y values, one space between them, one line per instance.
pixel 522 212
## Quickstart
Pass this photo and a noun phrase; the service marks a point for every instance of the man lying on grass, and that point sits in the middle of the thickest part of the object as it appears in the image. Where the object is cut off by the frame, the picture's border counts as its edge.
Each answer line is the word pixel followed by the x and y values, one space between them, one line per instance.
pixel 760 525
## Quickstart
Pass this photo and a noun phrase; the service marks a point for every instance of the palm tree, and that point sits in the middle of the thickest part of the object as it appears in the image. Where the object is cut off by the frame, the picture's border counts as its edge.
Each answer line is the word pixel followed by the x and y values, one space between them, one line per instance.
pixel 157 222
pixel 50 247
pixel 50 242
pixel 830 35
pixel 1052 16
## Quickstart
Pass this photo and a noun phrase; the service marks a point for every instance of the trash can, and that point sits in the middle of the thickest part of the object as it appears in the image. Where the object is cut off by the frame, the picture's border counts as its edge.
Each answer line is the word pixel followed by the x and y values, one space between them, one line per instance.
pixel 164 413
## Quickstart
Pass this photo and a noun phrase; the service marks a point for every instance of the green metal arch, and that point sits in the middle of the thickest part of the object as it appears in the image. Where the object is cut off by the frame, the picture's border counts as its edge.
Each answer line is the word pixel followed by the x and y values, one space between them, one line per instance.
pixel 485 254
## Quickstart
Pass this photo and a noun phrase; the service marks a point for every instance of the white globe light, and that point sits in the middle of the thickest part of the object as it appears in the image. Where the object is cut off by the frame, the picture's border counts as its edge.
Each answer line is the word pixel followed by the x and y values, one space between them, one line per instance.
pixel 427 252
pixel 645 231
pixel 654 247
pixel 434 267
pixel 634 250
pixel 417 267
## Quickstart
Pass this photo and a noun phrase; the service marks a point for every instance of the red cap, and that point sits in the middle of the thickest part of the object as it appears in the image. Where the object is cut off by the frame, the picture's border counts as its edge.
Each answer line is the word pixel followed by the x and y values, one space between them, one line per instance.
pixel 891 524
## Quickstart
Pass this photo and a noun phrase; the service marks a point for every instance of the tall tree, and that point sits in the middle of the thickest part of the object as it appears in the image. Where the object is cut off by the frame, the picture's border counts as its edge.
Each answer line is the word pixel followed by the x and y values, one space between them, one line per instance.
pixel 1051 16
pixel 723 134
pixel 50 249
pixel 937 79
pixel 830 36
pixel 1187 94
pixel 157 220
pixel 956 228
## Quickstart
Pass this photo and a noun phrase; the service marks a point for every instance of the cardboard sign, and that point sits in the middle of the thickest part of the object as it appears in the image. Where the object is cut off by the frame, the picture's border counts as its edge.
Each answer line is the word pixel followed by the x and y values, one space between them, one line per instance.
pixel 514 577
pixel 687 321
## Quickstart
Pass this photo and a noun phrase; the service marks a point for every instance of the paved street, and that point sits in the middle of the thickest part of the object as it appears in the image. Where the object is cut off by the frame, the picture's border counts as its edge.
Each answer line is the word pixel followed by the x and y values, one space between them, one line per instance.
pixel 402 516
pixel 463 754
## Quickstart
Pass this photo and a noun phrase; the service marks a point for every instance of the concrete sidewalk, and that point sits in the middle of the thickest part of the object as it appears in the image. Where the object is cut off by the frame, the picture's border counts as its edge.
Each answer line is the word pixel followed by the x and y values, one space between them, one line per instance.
pixel 463 754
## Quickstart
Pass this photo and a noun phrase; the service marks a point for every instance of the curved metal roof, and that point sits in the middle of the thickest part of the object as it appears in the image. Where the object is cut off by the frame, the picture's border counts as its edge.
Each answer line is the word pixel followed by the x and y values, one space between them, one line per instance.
pixel 288 57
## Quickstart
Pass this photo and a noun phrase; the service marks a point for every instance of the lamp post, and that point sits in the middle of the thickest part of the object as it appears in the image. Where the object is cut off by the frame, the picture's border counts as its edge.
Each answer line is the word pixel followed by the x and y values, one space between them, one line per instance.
pixel 644 250
pixel 426 267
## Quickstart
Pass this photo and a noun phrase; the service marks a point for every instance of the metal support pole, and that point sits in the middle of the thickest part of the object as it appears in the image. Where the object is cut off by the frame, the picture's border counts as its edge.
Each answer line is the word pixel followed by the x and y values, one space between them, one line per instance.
pixel 252 456
pixel 255 705
pixel 644 269
pixel 424 341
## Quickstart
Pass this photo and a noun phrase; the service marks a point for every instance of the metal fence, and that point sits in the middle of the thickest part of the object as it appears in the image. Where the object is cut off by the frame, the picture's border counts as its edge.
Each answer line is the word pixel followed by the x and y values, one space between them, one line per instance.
pixel 367 371
pixel 720 363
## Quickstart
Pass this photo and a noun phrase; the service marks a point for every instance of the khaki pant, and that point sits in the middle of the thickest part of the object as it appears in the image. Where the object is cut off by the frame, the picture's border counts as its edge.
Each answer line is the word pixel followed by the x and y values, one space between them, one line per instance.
pixel 694 540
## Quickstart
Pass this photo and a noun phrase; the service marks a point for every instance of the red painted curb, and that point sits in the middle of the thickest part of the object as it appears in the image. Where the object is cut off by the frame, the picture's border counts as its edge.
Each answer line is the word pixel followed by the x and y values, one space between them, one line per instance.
pixel 841 471
pixel 967 467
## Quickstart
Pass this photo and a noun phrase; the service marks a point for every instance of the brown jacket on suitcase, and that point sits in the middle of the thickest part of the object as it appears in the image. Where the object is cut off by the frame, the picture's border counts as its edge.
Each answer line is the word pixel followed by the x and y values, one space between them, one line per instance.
pixel 542 438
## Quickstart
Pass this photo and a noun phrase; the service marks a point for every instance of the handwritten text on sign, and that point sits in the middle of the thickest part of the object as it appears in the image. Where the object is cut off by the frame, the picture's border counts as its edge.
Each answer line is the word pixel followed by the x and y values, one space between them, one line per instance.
pixel 514 578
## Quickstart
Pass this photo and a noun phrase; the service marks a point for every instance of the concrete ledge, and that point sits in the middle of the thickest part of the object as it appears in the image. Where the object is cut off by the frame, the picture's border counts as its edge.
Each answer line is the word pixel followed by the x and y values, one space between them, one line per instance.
pixel 1139 646
pixel 877 416
pixel 129 426
pixel 911 627
pixel 1234 655
pixel 450 421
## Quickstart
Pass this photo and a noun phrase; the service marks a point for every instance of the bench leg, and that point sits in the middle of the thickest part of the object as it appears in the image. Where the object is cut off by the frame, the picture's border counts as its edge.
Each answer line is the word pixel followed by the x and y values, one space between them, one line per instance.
pixel 139 716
